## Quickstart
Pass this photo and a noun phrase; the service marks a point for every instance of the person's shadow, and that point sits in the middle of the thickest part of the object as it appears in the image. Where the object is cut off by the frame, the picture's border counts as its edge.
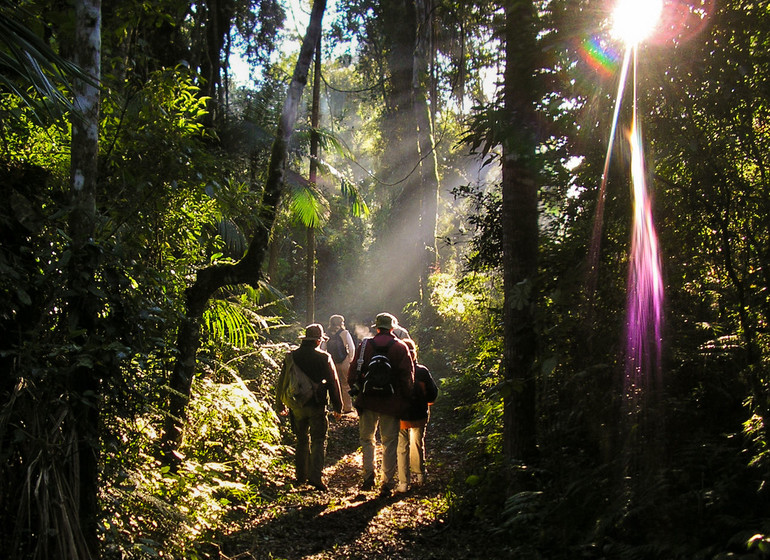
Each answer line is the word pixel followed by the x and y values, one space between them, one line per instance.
pixel 307 530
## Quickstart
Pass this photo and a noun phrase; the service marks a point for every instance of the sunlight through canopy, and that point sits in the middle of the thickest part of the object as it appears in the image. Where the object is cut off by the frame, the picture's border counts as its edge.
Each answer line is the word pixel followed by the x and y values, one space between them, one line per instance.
pixel 634 20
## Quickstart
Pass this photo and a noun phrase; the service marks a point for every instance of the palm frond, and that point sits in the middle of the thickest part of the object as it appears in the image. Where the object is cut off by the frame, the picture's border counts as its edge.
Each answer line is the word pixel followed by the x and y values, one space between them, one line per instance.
pixel 31 70
pixel 306 203
pixel 233 237
pixel 348 189
pixel 309 207
pixel 330 142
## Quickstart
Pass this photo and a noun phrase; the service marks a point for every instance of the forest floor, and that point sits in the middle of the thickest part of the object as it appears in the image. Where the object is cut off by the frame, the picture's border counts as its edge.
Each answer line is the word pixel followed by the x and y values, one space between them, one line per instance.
pixel 347 523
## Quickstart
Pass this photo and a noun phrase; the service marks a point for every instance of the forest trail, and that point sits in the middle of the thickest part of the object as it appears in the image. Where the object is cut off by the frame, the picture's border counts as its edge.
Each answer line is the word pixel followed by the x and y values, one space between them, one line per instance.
pixel 346 523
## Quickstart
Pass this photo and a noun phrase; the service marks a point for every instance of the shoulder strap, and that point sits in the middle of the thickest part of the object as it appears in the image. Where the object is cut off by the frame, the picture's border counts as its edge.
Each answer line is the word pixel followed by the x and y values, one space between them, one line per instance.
pixel 360 361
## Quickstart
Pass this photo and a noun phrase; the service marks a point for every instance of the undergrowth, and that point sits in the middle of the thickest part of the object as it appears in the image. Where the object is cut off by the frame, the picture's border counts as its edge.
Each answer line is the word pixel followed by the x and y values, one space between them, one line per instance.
pixel 686 498
pixel 231 447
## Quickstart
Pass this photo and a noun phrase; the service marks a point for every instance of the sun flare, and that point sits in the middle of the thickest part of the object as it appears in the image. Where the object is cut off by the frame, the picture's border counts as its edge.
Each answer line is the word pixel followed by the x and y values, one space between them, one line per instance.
pixel 633 20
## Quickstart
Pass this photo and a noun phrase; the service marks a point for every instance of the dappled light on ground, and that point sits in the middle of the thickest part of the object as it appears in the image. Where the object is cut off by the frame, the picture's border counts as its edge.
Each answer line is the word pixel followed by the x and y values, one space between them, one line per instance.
pixel 347 523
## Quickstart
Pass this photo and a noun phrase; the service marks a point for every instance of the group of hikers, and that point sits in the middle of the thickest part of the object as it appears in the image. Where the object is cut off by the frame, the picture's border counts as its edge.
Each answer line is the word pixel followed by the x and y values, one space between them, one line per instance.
pixel 379 379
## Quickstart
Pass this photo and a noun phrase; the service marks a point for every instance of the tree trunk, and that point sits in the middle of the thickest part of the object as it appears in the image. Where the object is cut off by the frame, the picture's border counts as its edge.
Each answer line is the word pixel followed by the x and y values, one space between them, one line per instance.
pixel 520 234
pixel 83 306
pixel 315 119
pixel 248 269
pixel 274 253
pixel 219 15
pixel 397 246
pixel 426 150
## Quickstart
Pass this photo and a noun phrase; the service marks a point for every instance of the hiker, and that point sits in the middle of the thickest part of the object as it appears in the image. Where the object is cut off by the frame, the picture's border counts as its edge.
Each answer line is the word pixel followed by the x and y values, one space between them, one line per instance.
pixel 342 349
pixel 381 406
pixel 310 419
pixel 411 438
pixel 399 331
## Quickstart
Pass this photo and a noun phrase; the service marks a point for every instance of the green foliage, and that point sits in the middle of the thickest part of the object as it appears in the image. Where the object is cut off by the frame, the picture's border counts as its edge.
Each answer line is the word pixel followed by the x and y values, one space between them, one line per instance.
pixel 309 207
pixel 175 196
pixel 26 143
pixel 231 442
pixel 310 204
pixel 163 199
pixel 468 333
pixel 484 211
pixel 31 70
pixel 230 425
pixel 229 322
pixel 755 430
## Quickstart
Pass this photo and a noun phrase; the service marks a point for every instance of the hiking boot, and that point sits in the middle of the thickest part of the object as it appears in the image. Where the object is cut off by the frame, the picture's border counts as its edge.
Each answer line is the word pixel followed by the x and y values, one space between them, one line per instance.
pixel 385 492
pixel 400 488
pixel 419 479
pixel 368 483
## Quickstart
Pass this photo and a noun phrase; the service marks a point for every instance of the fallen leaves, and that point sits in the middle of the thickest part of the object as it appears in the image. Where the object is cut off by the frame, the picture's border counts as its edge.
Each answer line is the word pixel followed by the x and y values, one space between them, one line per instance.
pixel 346 523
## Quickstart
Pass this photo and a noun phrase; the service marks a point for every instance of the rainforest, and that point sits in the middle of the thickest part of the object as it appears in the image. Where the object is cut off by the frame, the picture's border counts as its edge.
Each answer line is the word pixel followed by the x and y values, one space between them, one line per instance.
pixel 562 201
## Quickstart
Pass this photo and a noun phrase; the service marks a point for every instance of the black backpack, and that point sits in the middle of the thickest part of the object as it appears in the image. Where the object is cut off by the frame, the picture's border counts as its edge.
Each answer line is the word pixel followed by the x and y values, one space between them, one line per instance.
pixel 378 377
pixel 336 347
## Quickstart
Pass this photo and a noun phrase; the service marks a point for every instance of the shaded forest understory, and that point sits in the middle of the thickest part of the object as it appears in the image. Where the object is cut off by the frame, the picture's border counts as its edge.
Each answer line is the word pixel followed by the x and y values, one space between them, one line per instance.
pixel 346 522
pixel 168 229
pixel 682 499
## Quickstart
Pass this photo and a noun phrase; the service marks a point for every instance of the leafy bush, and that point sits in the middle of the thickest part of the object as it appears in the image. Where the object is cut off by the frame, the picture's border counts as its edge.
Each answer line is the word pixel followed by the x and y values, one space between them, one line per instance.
pixel 231 440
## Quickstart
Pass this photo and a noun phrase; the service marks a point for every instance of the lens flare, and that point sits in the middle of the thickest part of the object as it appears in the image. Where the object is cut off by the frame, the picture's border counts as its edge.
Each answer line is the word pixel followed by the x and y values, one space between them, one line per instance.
pixel 645 282
pixel 644 315
pixel 598 56
pixel 634 20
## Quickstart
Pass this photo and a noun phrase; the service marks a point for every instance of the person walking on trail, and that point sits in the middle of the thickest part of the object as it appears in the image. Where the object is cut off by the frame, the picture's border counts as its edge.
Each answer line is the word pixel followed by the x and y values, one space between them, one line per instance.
pixel 411 438
pixel 400 332
pixel 309 421
pixel 381 404
pixel 342 349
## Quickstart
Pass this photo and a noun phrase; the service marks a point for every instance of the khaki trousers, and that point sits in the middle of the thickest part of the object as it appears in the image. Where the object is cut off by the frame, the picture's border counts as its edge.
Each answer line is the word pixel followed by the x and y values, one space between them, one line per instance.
pixel 411 452
pixel 342 373
pixel 368 421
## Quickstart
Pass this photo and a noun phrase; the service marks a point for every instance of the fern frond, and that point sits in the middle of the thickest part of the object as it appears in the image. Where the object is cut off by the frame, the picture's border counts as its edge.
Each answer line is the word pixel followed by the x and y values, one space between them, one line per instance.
pixel 227 321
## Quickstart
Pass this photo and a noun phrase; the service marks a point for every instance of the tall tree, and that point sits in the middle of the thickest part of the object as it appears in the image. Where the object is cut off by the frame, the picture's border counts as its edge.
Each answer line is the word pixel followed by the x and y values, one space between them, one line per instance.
pixel 398 241
pixel 415 59
pixel 84 305
pixel 426 145
pixel 520 231
pixel 248 269
pixel 315 119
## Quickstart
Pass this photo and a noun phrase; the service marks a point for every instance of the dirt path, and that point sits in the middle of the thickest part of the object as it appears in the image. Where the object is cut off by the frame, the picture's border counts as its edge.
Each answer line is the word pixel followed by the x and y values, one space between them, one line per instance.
pixel 345 523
